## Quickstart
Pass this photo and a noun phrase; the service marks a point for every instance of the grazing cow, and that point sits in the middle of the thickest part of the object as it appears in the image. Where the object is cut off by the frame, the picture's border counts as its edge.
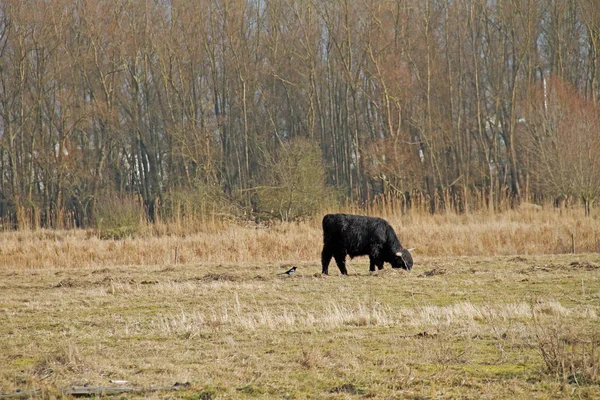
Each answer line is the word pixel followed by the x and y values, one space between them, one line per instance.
pixel 358 235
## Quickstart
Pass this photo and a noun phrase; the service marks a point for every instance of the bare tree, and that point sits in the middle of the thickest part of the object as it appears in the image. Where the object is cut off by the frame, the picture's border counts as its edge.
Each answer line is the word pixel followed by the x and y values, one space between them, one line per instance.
pixel 149 98
pixel 564 137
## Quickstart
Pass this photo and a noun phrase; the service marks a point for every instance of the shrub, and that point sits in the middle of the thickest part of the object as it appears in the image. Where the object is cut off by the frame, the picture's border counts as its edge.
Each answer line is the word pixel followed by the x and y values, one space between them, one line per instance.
pixel 118 217
pixel 199 203
pixel 573 357
pixel 295 186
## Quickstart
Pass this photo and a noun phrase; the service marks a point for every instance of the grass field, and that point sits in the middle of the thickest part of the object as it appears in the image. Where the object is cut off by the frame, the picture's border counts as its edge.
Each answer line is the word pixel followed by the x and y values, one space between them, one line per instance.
pixel 473 326
pixel 467 327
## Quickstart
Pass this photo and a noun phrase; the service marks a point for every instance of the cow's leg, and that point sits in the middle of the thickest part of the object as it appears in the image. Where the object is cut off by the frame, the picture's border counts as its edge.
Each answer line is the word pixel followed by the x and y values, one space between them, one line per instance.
pixel 340 260
pixel 372 264
pixel 375 258
pixel 326 255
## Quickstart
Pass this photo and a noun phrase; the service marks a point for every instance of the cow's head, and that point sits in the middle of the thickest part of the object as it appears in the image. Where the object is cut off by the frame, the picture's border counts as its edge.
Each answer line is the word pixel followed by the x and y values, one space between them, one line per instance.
pixel 403 260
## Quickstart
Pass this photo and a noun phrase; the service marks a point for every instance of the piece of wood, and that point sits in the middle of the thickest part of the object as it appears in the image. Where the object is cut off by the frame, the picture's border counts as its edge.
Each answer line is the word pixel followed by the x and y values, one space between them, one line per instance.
pixel 108 390
pixel 88 391
pixel 22 394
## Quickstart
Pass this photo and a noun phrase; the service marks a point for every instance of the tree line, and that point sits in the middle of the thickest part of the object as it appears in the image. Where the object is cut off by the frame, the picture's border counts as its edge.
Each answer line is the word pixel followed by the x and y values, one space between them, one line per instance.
pixel 274 105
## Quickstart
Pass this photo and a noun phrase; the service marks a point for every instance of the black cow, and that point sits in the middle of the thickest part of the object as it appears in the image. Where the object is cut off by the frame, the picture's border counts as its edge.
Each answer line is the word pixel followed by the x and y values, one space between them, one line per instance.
pixel 358 235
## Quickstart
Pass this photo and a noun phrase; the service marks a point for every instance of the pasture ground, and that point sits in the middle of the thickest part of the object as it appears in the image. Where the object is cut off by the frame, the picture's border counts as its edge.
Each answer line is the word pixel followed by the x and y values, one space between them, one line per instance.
pixel 455 327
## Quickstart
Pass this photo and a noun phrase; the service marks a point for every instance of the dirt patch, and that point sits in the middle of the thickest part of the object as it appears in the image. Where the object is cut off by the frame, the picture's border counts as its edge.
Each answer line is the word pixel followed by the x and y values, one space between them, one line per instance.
pixel 68 282
pixel 106 281
pixel 220 278
pixel 109 279
pixel 426 335
pixel 100 271
pixel 557 267
pixel 542 268
pixel 478 271
pixel 517 259
pixel 433 272
pixel 584 265
pixel 349 388
pixel 381 272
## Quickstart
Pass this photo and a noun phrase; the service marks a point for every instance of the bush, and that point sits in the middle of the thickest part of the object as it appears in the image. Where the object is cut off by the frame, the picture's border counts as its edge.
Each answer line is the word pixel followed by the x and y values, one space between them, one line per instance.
pixel 295 186
pixel 118 217
pixel 198 203
pixel 573 357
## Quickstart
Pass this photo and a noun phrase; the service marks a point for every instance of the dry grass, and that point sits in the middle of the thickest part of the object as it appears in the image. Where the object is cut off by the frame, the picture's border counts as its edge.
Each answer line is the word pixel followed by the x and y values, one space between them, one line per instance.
pixel 529 231
pixel 455 327
pixel 491 310
pixel 526 231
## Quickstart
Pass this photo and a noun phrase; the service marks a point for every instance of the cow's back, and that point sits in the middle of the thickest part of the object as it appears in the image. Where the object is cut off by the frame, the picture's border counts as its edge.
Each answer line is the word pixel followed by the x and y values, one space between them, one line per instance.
pixel 352 234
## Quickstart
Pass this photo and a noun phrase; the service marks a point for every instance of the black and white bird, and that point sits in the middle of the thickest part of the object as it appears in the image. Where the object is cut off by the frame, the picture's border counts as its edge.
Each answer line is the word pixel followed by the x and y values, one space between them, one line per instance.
pixel 289 272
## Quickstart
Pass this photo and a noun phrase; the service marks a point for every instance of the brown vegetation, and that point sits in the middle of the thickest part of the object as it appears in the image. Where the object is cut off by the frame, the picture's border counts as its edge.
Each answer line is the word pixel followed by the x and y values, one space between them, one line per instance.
pixel 516 232
pixel 264 109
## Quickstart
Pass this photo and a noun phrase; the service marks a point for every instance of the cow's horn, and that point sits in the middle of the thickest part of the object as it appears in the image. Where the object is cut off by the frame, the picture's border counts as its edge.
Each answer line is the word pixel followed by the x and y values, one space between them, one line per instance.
pixel 411 249
pixel 399 254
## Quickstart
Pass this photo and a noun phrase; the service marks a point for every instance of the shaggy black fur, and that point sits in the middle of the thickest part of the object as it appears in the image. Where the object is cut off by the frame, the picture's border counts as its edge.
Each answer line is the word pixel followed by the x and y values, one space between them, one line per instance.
pixel 358 235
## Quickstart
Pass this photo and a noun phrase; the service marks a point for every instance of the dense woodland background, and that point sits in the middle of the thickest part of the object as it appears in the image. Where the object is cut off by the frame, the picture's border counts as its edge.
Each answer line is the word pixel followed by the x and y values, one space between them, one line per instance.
pixel 275 109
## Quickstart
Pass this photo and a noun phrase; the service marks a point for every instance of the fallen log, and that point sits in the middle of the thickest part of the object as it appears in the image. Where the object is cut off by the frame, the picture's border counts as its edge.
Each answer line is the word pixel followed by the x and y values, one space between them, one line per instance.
pixel 22 394
pixel 82 391
pixel 88 391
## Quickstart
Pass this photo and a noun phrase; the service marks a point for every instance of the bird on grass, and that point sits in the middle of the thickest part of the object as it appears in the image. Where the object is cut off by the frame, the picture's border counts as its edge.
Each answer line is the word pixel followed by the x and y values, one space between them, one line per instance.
pixel 289 272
